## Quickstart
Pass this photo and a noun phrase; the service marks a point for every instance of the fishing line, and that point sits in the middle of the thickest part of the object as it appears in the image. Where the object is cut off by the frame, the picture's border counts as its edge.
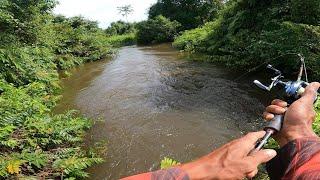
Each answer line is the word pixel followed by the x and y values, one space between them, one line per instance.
pixel 268 61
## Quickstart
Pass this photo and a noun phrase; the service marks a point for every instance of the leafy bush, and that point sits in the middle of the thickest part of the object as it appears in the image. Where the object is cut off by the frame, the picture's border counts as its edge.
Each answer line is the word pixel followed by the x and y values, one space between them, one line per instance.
pixel 120 28
pixel 122 40
pixel 157 30
pixel 190 13
pixel 23 65
pixel 23 21
pixel 33 143
pixel 191 40
pixel 306 12
pixel 78 41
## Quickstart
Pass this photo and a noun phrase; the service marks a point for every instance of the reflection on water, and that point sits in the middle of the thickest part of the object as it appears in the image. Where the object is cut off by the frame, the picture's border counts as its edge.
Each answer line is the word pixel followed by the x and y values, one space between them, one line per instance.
pixel 153 103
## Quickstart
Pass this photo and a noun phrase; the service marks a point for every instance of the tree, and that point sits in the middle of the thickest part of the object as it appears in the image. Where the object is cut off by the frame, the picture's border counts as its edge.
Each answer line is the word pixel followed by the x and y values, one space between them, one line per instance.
pixel 157 30
pixel 120 28
pixel 125 11
pixel 190 13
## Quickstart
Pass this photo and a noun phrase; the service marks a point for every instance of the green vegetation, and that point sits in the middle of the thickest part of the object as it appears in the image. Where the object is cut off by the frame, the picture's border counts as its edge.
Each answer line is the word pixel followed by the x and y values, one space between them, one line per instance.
pixel 122 40
pixel 167 18
pixel 168 163
pixel 77 41
pixel 157 30
pixel 192 40
pixel 34 45
pixel 248 33
pixel 189 13
pixel 120 28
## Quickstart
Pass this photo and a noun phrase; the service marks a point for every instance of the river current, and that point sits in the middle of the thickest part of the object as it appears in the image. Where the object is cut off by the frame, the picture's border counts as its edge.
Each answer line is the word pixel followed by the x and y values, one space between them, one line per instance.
pixel 155 102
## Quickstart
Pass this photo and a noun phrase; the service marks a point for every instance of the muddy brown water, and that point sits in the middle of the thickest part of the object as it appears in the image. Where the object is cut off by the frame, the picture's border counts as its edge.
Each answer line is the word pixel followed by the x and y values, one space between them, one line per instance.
pixel 153 102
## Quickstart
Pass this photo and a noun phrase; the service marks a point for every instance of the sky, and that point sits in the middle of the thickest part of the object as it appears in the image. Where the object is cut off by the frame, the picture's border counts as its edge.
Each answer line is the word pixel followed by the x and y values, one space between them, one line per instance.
pixel 103 11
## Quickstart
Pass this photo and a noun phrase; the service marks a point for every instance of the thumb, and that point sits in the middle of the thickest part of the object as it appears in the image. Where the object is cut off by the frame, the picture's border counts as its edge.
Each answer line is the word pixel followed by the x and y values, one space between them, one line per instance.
pixel 262 156
pixel 310 93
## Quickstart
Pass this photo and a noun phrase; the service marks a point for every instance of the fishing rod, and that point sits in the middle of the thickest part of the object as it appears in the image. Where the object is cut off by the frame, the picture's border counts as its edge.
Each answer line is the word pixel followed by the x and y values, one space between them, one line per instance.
pixel 292 90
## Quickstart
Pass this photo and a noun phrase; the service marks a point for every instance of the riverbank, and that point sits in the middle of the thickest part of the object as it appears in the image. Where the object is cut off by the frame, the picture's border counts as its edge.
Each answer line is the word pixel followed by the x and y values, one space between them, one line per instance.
pixel 33 142
pixel 33 47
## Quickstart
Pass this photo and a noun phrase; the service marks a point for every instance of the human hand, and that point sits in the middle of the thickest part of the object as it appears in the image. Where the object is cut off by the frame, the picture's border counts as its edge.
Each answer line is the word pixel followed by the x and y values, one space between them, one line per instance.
pixel 231 161
pixel 298 117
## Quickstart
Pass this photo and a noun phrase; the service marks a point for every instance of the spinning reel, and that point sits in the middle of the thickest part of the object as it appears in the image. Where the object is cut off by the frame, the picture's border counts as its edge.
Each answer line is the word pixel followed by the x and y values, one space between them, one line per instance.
pixel 293 91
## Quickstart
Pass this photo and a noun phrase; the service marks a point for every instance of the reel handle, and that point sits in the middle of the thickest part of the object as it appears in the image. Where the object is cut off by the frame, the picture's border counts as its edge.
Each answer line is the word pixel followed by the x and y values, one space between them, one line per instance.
pixel 260 85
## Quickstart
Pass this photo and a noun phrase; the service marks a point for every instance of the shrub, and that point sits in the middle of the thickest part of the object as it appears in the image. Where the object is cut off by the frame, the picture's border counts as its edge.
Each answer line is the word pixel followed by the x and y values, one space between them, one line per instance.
pixel 24 65
pixel 33 143
pixel 306 12
pixel 191 40
pixel 78 41
pixel 122 40
pixel 157 30
pixel 191 14
pixel 120 28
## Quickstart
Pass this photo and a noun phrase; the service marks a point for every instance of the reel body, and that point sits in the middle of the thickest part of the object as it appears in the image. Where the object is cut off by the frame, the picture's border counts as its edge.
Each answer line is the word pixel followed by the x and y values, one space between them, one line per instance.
pixel 293 91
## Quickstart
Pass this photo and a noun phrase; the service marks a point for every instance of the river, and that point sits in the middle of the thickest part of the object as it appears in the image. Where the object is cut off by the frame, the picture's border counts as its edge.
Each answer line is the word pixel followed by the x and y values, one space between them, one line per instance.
pixel 150 103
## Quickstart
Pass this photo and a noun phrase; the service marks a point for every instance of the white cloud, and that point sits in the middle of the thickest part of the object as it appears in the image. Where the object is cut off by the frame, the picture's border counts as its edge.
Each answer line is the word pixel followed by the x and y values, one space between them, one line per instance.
pixel 103 11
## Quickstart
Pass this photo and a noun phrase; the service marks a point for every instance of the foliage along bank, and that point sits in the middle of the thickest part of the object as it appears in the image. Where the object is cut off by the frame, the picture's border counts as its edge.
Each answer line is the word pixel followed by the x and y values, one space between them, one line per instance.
pixel 157 30
pixel 167 18
pixel 189 13
pixel 34 45
pixel 248 33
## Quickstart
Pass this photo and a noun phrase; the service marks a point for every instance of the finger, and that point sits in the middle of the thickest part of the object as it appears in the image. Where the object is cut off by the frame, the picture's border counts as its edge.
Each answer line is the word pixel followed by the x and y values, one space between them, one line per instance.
pixel 279 102
pixel 249 141
pixel 310 93
pixel 268 116
pixel 262 156
pixel 252 174
pixel 274 109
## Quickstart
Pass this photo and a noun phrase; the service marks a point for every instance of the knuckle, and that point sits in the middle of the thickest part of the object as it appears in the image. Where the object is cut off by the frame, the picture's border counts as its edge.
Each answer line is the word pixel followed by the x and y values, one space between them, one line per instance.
pixel 269 108
pixel 312 115
pixel 275 101
pixel 265 115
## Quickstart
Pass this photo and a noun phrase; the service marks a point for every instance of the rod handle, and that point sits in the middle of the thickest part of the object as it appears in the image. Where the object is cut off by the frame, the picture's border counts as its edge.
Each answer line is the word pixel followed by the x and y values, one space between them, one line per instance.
pixel 276 123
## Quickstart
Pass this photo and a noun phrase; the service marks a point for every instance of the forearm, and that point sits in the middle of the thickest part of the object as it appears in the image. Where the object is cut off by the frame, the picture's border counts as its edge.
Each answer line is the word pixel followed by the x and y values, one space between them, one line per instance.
pixel 295 159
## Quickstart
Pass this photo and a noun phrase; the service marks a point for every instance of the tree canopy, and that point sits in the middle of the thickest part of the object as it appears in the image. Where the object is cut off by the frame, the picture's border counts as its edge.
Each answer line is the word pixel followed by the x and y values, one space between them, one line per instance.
pixel 190 13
